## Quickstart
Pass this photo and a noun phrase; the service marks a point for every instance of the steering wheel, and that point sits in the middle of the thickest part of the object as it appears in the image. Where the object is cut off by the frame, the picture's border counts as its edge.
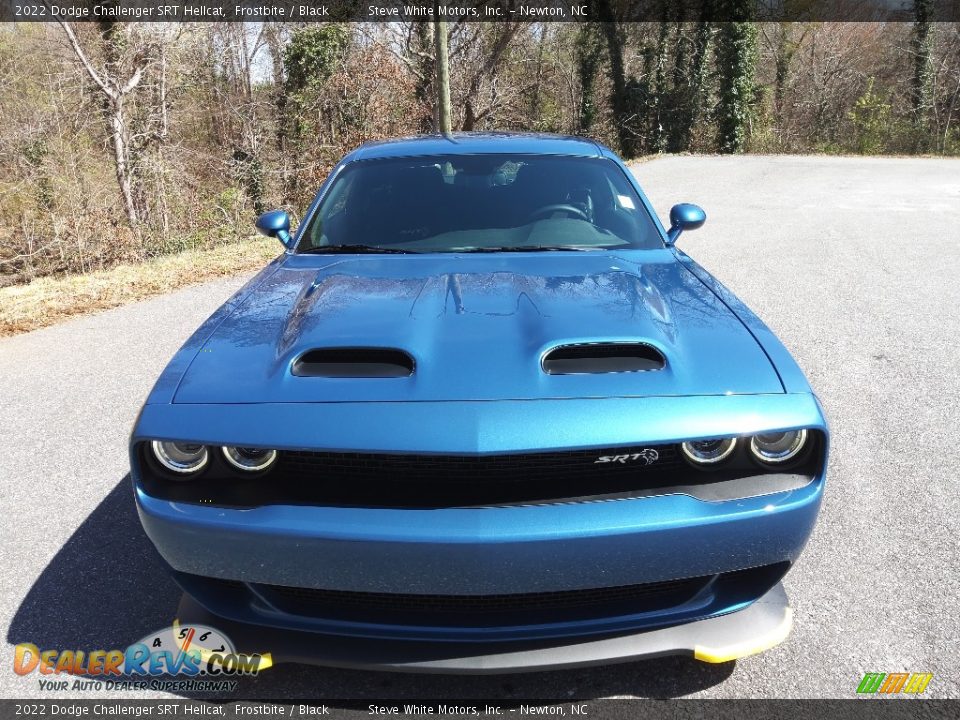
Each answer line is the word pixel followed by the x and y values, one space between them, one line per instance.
pixel 560 207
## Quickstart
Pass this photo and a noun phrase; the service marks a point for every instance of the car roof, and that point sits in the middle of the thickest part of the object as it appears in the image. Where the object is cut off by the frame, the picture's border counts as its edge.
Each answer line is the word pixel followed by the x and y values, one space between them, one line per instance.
pixel 470 143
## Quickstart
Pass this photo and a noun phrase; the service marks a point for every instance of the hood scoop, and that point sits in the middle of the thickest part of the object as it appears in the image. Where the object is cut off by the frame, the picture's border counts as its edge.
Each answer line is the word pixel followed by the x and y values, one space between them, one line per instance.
pixel 358 362
pixel 592 358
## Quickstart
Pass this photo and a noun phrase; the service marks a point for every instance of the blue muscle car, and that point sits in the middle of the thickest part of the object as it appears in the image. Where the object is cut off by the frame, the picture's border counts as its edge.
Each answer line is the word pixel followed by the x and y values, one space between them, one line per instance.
pixel 482 415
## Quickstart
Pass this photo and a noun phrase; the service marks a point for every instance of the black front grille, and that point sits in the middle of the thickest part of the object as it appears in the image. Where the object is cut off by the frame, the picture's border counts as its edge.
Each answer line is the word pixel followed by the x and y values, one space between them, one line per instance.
pixel 429 481
pixel 416 480
pixel 421 481
pixel 479 610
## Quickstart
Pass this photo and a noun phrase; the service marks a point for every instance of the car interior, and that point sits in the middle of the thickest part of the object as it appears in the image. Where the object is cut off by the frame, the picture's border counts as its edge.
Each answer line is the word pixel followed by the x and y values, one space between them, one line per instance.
pixel 468 202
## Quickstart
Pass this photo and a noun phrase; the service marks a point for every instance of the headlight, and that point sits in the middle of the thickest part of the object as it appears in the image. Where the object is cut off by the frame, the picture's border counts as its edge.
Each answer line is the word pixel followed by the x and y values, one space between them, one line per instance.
pixel 250 459
pixel 778 447
pixel 180 457
pixel 707 452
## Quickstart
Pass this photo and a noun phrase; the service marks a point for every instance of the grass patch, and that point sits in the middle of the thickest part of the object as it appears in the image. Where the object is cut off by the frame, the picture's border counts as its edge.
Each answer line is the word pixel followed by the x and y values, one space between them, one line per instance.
pixel 49 300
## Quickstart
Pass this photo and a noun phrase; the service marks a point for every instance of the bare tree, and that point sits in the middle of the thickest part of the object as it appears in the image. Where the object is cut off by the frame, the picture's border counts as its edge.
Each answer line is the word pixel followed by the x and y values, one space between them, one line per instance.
pixel 478 51
pixel 443 75
pixel 114 90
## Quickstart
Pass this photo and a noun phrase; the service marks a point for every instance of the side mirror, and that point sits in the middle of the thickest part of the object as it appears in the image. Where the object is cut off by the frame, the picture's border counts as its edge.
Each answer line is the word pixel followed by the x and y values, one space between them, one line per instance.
pixel 275 223
pixel 684 217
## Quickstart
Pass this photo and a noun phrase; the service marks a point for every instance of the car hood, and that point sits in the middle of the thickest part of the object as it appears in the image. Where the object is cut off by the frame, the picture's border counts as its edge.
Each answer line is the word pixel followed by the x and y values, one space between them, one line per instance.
pixel 477 327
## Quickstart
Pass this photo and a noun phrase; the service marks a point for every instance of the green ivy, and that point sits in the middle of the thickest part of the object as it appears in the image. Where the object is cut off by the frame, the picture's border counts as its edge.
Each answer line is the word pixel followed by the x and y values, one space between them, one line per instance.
pixel 871 121
pixel 589 48
pixel 736 57
pixel 248 171
pixel 312 55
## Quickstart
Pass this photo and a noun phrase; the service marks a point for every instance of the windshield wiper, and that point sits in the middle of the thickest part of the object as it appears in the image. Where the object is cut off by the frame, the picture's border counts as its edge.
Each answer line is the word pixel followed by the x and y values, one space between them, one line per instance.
pixel 355 249
pixel 527 248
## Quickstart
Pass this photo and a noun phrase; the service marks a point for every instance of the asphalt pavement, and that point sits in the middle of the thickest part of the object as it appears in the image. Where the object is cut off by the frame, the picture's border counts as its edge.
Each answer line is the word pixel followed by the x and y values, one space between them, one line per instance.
pixel 852 261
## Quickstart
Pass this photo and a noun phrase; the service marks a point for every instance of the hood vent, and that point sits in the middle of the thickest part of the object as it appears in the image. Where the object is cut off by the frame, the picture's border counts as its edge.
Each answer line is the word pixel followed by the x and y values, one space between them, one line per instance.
pixel 591 358
pixel 354 363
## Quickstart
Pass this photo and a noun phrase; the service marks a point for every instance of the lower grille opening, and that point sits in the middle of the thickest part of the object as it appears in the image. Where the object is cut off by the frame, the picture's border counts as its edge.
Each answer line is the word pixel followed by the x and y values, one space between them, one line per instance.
pixel 482 610
pixel 682 598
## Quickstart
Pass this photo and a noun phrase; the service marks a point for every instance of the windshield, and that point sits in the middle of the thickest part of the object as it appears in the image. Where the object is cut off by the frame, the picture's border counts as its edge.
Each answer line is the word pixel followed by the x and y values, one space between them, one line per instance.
pixel 480 203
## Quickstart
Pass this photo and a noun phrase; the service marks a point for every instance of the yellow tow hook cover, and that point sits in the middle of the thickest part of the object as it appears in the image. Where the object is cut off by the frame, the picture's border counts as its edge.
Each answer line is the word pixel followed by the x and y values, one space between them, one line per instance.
pixel 752 646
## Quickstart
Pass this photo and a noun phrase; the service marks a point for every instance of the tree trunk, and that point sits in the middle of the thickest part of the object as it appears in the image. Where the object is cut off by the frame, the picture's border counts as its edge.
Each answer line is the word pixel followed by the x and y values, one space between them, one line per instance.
pixel 618 99
pixel 922 89
pixel 443 76
pixel 589 47
pixel 736 60
pixel 120 159
pixel 656 110
pixel 698 78
pixel 423 63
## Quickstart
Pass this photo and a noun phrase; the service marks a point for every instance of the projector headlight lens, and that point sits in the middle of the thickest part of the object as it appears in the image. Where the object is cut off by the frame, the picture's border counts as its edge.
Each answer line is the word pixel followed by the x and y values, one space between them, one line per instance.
pixel 250 459
pixel 778 447
pixel 708 452
pixel 180 457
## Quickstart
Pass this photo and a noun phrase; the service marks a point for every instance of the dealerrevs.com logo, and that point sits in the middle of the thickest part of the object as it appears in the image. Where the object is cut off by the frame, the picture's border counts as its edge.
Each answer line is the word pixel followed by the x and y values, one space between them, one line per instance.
pixel 184 651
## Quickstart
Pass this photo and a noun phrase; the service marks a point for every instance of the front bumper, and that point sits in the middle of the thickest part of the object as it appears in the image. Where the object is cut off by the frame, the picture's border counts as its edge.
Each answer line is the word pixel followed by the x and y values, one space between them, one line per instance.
pixel 478 551
pixel 482 550
pixel 761 626
pixel 228 558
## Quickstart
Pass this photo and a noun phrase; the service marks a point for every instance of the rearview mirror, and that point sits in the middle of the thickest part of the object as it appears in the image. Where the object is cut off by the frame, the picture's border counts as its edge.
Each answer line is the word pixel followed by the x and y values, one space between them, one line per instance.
pixel 275 223
pixel 684 217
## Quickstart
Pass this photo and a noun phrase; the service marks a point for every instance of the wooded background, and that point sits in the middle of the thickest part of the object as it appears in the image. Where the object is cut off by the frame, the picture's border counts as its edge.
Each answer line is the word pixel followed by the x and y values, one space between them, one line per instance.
pixel 122 141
